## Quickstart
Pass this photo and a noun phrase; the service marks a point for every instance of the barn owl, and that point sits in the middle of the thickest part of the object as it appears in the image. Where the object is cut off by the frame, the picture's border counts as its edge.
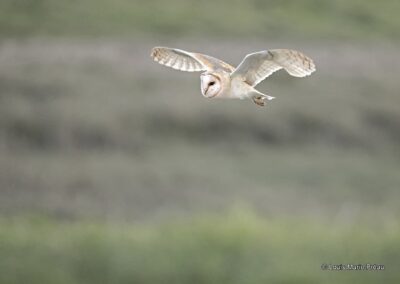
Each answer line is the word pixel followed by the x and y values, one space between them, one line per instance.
pixel 221 80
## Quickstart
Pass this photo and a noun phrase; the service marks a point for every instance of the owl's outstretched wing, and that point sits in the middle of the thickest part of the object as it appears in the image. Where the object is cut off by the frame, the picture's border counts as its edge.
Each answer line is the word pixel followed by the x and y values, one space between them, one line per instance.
pixel 257 66
pixel 188 61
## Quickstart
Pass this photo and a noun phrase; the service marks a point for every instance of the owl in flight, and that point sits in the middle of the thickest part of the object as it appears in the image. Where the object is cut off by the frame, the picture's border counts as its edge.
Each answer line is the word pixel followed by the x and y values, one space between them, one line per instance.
pixel 221 80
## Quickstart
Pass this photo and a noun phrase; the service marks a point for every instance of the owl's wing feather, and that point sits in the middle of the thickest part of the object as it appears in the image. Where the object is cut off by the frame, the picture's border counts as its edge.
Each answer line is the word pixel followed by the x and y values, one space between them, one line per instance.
pixel 257 66
pixel 187 61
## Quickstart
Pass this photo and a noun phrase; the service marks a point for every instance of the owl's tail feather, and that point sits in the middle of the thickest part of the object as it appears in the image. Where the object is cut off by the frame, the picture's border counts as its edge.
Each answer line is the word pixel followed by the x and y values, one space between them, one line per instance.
pixel 260 98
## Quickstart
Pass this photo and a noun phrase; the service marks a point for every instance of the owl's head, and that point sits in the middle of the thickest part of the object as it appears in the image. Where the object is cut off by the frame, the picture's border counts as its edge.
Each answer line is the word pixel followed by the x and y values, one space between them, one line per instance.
pixel 210 85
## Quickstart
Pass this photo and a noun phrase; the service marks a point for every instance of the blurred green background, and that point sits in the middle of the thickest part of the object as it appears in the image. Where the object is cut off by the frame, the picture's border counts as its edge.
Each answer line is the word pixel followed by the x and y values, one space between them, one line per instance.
pixel 114 169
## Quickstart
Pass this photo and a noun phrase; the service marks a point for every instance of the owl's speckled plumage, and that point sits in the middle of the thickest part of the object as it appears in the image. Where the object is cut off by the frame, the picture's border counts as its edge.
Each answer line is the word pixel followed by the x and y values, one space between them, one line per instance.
pixel 221 80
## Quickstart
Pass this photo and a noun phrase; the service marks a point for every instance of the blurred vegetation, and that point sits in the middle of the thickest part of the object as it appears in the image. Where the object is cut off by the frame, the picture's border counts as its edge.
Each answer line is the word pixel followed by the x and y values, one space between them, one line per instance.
pixel 98 130
pixel 234 248
pixel 115 169
pixel 305 19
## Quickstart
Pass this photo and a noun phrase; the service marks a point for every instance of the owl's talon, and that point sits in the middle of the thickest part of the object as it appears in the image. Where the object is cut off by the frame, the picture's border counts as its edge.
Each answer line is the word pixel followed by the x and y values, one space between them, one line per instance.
pixel 259 101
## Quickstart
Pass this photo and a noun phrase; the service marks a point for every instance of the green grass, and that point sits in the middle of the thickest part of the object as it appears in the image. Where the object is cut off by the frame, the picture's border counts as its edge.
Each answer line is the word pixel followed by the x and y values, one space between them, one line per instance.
pixel 306 19
pixel 95 139
pixel 234 248
pixel 102 151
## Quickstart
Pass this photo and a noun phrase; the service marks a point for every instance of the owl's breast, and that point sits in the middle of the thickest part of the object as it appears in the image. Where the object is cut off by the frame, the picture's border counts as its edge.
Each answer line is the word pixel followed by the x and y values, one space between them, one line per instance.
pixel 239 89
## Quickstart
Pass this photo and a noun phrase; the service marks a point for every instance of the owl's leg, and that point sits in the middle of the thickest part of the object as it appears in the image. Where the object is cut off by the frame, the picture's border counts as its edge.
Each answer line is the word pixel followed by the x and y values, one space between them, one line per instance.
pixel 261 99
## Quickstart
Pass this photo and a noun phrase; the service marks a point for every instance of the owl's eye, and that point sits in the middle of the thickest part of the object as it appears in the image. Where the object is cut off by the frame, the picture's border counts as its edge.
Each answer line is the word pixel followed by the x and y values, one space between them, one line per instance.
pixel 211 83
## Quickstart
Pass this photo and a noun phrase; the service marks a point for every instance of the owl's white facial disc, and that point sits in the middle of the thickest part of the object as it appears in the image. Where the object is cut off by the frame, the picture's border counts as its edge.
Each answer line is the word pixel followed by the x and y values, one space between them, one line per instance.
pixel 210 85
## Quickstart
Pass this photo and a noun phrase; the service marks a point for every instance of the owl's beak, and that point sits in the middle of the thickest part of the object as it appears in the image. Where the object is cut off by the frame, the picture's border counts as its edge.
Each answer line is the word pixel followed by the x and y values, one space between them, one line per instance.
pixel 206 90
